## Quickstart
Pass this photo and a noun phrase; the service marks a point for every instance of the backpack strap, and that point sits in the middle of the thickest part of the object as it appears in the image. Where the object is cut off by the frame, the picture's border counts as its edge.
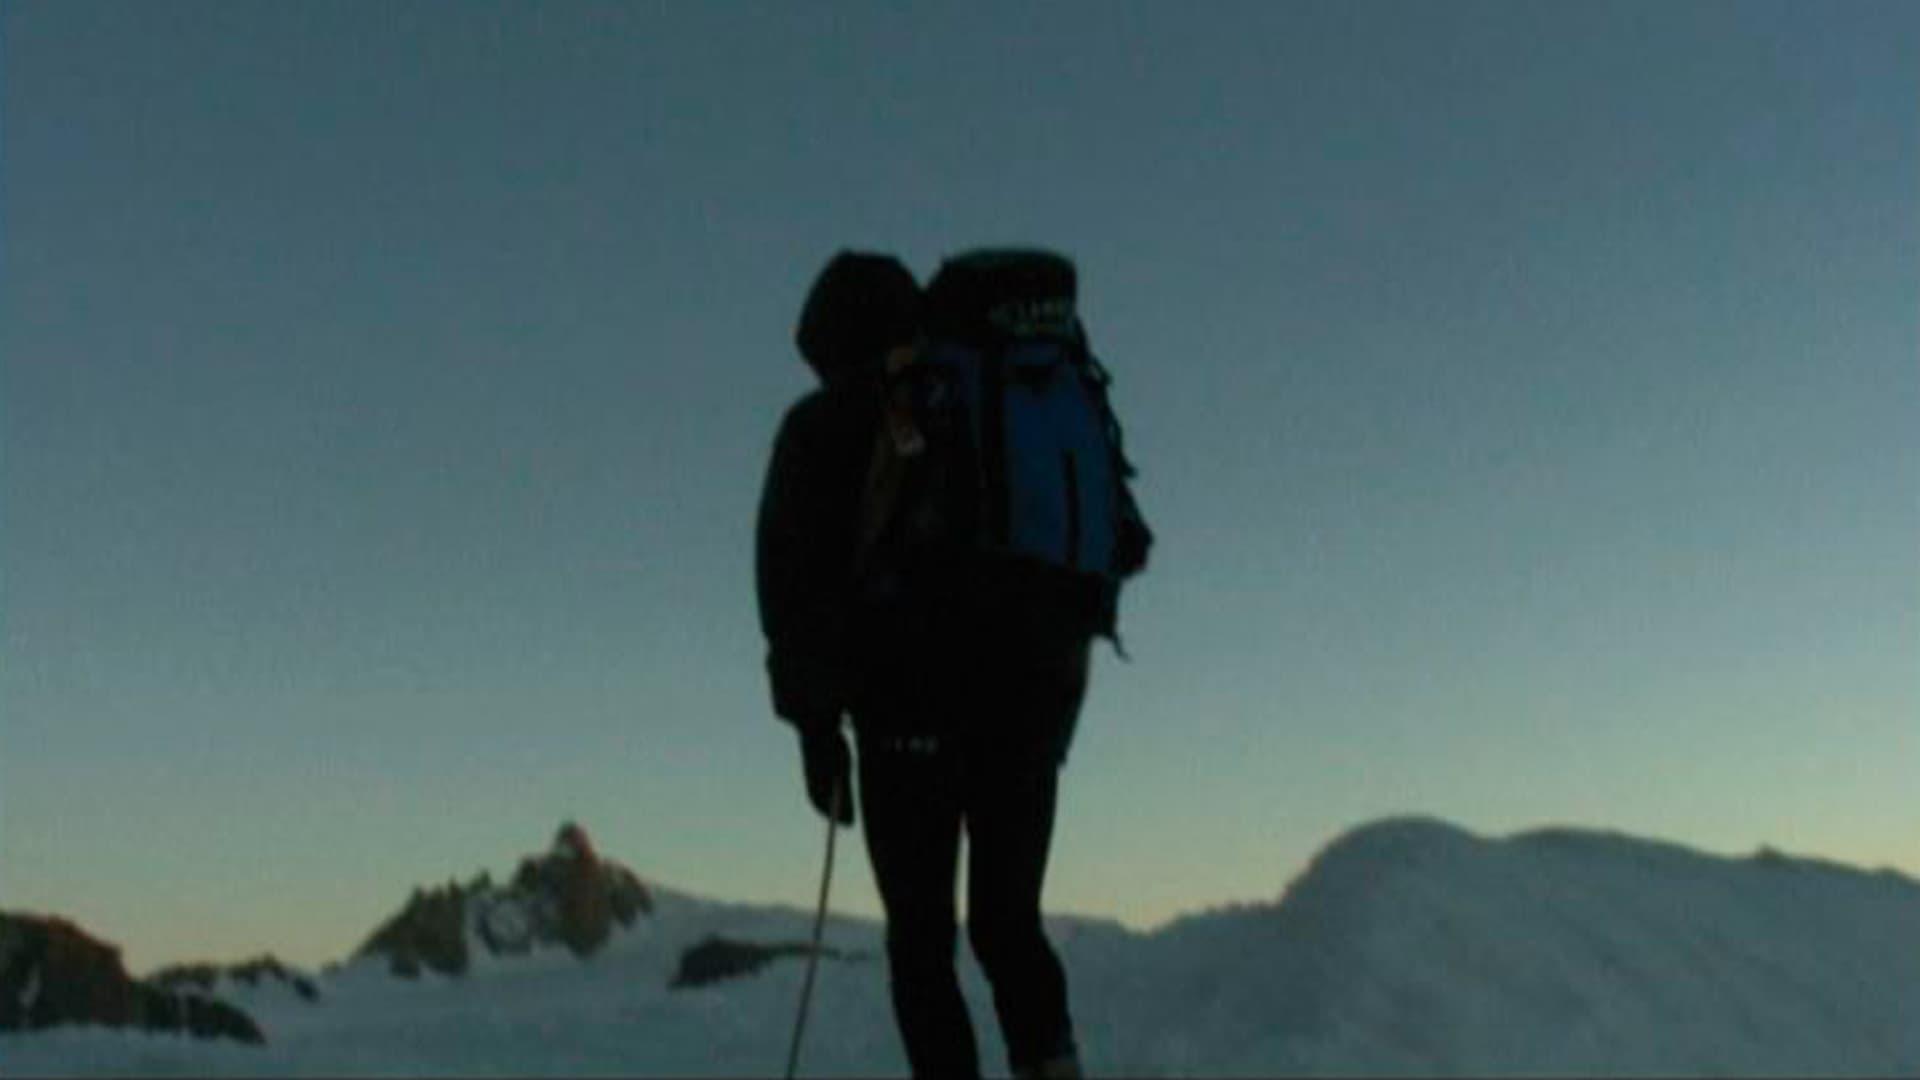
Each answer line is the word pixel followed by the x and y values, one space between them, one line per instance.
pixel 1136 536
pixel 993 441
pixel 1098 380
pixel 896 441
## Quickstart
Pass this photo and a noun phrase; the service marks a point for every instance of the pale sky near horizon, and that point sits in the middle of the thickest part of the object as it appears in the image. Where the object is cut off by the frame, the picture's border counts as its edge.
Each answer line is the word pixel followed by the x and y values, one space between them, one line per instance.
pixel 1527 398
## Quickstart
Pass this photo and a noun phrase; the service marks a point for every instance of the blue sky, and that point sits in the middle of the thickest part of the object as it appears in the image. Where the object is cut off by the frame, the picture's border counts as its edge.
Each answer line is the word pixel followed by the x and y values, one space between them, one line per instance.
pixel 1526 397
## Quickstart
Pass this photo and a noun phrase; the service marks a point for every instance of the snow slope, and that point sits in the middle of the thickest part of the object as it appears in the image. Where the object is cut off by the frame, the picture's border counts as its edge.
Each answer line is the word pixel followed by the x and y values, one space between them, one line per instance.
pixel 1407 947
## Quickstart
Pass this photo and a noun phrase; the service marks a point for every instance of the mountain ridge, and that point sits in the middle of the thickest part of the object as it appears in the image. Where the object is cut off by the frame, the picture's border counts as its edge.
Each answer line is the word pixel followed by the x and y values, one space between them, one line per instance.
pixel 1407 945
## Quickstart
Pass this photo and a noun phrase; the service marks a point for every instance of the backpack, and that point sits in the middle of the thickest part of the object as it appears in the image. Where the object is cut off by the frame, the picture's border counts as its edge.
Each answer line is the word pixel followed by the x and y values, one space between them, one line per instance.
pixel 997 436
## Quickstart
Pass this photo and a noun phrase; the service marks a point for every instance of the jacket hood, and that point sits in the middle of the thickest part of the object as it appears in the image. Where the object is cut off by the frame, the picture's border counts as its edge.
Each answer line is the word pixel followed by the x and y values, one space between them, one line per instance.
pixel 860 305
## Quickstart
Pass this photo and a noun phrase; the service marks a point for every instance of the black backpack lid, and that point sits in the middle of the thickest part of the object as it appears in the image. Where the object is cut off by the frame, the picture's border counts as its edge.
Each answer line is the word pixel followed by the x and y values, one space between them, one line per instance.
pixel 1003 293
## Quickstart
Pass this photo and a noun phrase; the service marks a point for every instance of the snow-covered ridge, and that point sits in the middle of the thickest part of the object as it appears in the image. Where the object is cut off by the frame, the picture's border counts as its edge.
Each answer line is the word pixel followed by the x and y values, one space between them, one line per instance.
pixel 1413 946
pixel 229 980
pixel 1406 947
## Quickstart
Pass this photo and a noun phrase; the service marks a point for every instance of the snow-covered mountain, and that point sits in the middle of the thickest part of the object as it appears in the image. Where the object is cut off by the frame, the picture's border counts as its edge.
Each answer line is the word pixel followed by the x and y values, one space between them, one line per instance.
pixel 1407 947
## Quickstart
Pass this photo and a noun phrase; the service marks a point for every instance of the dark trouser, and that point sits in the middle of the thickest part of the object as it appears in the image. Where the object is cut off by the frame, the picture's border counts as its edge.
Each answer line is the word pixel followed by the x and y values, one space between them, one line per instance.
pixel 998 780
pixel 915 804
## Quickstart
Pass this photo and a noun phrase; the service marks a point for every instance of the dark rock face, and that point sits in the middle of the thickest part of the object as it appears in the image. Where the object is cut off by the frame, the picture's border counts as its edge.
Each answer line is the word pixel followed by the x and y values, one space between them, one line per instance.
pixel 716 958
pixel 580 895
pixel 429 933
pixel 205 977
pixel 52 974
pixel 568 896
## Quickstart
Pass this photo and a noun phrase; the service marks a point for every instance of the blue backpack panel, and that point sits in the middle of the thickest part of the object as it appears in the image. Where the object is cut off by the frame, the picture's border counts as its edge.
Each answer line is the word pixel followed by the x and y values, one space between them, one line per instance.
pixel 999 438
pixel 1031 420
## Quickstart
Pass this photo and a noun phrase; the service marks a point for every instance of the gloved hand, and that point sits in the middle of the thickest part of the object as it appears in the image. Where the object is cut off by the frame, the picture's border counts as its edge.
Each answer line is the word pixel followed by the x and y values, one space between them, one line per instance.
pixel 828 763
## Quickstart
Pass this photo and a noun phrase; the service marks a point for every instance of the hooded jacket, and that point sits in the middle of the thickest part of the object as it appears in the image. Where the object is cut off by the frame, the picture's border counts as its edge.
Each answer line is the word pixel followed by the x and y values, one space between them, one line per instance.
pixel 804 547
pixel 832 650
pixel 807 529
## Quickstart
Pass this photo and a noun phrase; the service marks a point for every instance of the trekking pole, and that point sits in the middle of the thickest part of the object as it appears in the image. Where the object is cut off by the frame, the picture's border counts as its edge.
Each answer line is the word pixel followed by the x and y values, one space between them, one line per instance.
pixel 819 925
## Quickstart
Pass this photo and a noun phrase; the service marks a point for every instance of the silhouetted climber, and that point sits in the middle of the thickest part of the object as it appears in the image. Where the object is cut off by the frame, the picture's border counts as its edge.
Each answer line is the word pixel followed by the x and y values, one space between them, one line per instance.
pixel 943 531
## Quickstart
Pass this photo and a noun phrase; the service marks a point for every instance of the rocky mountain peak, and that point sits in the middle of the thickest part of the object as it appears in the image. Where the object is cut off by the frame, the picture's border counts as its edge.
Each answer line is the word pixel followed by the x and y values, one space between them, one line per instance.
pixel 567 896
pixel 572 842
pixel 55 974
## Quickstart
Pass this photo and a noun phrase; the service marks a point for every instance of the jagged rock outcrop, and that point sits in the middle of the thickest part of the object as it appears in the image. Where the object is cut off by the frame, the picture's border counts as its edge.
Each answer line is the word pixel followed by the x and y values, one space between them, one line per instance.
pixel 569 896
pixel 429 933
pixel 716 958
pixel 54 974
pixel 261 969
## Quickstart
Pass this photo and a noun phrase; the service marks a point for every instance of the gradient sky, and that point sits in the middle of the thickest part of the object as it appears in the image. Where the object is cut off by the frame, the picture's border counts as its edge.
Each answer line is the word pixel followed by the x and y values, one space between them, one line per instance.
pixel 1528 401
